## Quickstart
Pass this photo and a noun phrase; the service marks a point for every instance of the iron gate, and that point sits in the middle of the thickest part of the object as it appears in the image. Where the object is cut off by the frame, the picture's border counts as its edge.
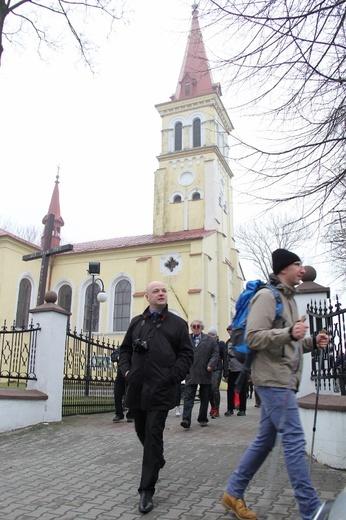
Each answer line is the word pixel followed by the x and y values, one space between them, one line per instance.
pixel 89 375
pixel 329 366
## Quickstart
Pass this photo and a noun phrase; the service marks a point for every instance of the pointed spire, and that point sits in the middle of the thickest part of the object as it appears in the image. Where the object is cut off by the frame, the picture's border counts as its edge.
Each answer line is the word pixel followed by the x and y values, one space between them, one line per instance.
pixel 195 77
pixel 54 208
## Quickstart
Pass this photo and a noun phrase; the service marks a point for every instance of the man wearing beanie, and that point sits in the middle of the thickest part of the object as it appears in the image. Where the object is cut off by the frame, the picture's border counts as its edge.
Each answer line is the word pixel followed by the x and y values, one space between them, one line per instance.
pixel 276 371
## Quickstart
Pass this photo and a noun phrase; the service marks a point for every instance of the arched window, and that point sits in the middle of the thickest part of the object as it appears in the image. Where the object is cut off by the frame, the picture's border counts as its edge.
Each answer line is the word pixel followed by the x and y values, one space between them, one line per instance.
pixel 196 196
pixel 23 304
pixel 65 297
pixel 91 309
pixel 196 132
pixel 122 305
pixel 177 198
pixel 178 136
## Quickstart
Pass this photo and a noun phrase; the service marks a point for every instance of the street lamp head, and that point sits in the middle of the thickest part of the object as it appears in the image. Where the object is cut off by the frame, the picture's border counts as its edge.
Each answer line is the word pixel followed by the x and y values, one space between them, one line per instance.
pixel 94 268
pixel 102 297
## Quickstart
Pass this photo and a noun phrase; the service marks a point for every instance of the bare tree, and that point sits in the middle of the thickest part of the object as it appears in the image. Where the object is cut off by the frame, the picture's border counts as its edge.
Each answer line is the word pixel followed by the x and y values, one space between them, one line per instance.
pixel 30 233
pixel 44 18
pixel 257 239
pixel 286 61
pixel 335 237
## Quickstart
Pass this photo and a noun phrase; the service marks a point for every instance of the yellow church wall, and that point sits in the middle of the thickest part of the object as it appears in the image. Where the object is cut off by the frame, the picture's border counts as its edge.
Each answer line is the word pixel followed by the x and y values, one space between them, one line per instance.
pixel 12 269
pixel 211 180
pixel 140 265
pixel 209 295
pixel 176 215
pixel 160 202
pixel 195 212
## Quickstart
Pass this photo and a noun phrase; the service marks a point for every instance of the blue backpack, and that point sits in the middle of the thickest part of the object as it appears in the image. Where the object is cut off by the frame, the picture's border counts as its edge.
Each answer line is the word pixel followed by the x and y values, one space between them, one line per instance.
pixel 240 347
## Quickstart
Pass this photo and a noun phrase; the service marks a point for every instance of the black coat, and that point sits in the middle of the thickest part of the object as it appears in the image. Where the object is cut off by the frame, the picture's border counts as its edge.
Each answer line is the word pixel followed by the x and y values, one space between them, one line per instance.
pixel 154 374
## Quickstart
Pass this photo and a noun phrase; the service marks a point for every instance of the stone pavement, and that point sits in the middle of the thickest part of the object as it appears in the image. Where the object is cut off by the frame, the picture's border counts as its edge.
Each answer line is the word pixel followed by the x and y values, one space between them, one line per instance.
pixel 88 468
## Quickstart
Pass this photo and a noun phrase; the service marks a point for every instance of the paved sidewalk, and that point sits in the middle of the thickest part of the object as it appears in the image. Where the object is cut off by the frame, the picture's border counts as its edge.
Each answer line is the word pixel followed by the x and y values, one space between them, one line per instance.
pixel 88 468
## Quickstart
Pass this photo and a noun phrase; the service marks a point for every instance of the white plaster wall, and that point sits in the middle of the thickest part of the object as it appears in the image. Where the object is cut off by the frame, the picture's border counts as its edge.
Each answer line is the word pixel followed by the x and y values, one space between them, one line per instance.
pixel 329 445
pixel 16 413
pixel 50 362
pixel 49 369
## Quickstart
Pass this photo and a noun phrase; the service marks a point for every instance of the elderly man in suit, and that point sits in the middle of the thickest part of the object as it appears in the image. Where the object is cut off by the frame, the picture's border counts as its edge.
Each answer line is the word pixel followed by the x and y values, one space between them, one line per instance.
pixel 206 357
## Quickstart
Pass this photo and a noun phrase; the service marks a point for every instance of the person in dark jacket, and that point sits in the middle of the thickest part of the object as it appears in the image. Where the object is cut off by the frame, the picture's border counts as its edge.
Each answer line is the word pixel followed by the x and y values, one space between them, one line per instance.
pixel 119 391
pixel 155 356
pixel 235 366
pixel 206 357
pixel 220 370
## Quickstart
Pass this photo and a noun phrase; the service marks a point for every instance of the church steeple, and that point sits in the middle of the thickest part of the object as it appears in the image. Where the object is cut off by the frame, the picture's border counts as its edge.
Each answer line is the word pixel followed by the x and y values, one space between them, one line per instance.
pixel 192 183
pixel 195 77
pixel 54 208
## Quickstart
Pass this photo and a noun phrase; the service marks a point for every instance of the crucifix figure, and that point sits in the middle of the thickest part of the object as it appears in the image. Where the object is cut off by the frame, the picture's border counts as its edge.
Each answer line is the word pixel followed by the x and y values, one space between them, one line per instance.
pixel 45 255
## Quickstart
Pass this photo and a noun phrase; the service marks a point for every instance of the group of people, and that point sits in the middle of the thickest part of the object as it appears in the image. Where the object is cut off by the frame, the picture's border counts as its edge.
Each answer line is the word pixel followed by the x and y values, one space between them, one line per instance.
pixel 158 353
pixel 214 360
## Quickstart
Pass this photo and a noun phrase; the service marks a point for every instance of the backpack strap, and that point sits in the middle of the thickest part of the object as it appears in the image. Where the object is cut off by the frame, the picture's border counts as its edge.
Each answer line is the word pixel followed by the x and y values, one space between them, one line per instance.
pixel 279 308
pixel 279 305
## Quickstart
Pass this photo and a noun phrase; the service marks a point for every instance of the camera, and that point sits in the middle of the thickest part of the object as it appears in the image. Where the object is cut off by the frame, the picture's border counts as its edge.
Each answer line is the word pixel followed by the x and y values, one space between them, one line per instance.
pixel 140 345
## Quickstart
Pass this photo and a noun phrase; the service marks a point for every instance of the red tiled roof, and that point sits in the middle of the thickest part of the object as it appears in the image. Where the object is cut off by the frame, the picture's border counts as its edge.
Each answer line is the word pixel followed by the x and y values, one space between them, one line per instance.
pixel 141 240
pixel 4 233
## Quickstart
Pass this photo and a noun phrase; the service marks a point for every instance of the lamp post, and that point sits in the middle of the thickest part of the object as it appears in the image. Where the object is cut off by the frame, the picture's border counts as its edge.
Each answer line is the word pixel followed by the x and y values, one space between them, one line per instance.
pixel 94 269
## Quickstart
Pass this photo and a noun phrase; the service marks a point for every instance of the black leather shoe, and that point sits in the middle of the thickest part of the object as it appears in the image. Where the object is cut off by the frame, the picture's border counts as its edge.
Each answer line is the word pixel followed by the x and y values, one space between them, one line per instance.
pixel 145 502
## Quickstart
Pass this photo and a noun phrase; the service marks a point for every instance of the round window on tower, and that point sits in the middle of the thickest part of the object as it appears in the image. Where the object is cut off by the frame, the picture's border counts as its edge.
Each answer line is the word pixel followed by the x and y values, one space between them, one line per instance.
pixel 186 178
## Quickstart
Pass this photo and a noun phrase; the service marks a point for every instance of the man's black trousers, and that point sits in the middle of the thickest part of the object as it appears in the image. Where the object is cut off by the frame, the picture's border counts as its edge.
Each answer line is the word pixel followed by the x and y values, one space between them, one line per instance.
pixel 149 426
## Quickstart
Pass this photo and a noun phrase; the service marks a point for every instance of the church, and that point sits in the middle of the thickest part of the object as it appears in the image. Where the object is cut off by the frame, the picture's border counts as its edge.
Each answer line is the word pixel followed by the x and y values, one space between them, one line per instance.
pixel 191 248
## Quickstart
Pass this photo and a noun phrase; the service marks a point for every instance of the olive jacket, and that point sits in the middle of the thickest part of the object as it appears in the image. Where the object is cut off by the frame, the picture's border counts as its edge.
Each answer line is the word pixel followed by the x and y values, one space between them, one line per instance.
pixel 277 360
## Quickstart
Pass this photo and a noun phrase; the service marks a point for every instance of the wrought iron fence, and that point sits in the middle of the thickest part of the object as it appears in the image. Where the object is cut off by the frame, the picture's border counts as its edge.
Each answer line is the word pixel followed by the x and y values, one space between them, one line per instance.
pixel 328 367
pixel 89 375
pixel 18 353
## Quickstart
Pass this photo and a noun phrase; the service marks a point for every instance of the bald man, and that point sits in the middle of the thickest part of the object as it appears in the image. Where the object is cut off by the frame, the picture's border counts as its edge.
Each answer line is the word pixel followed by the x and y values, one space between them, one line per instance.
pixel 155 356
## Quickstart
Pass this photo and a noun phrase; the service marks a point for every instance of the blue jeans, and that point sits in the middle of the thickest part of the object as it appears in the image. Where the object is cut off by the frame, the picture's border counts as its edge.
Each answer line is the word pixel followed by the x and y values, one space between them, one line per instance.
pixel 278 404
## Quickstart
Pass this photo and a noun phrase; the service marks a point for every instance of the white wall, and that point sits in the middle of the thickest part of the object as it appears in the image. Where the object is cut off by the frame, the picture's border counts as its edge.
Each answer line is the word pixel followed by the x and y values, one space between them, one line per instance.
pixel 49 370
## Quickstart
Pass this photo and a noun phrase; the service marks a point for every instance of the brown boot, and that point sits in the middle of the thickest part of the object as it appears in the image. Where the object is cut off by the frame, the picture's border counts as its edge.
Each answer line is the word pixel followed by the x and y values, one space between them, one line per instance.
pixel 238 506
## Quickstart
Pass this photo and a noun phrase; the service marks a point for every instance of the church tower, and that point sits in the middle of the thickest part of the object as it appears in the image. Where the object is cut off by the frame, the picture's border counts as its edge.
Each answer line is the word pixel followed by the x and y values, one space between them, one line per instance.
pixel 192 183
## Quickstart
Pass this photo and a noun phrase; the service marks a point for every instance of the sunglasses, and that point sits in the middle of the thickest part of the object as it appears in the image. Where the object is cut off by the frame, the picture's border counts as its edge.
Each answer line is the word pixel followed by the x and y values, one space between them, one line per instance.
pixel 196 326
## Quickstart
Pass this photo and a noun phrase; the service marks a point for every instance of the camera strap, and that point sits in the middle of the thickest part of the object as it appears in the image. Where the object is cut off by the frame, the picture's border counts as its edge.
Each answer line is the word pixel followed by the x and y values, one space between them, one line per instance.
pixel 153 331
pixel 141 323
